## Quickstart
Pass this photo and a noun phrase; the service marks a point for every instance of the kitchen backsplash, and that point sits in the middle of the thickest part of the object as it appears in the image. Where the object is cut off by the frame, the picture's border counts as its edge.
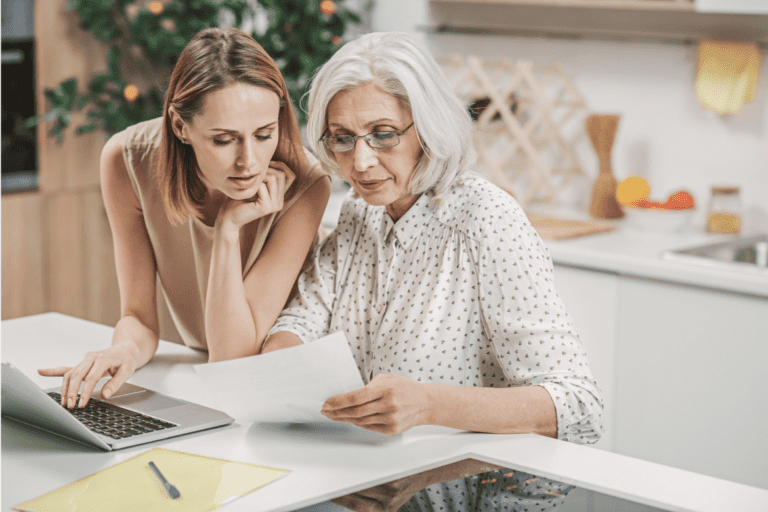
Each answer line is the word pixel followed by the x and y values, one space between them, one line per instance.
pixel 664 136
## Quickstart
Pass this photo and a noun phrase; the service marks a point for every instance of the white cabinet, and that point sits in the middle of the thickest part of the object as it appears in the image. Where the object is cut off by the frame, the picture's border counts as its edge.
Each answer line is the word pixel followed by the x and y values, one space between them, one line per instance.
pixel 653 5
pixel 732 6
pixel 591 300
pixel 654 20
pixel 691 386
pixel 682 370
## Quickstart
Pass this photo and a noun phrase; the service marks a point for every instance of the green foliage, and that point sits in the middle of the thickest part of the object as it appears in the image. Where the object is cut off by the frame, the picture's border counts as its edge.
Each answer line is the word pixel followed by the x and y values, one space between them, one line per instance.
pixel 62 100
pixel 299 37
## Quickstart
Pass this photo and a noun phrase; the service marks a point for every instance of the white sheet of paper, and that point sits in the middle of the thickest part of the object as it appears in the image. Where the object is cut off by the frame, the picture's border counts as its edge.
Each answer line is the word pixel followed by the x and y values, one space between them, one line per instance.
pixel 288 385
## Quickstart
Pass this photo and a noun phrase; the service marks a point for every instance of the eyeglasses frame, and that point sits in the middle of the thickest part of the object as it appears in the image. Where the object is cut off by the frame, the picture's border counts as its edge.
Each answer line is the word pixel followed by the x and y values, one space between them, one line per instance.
pixel 355 137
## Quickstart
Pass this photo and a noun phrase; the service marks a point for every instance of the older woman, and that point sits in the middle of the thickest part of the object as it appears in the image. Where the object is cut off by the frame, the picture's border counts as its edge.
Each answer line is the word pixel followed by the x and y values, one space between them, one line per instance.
pixel 440 284
pixel 443 289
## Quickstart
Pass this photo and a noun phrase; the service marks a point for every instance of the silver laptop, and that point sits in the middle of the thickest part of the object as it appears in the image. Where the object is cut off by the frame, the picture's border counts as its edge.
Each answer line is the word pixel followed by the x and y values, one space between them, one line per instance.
pixel 134 415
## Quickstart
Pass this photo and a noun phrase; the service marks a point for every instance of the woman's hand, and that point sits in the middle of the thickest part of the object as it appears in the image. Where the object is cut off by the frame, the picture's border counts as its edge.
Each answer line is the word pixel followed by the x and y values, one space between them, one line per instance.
pixel 389 404
pixel 393 495
pixel 119 361
pixel 385 497
pixel 270 198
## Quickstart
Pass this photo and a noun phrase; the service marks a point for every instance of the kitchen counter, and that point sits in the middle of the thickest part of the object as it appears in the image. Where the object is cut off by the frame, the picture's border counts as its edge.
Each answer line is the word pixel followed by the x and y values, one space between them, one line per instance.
pixel 634 252
pixel 629 251
pixel 325 462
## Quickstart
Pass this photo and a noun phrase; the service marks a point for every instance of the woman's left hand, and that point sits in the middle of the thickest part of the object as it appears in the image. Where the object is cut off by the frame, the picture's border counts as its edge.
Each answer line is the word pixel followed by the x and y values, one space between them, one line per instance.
pixel 389 404
pixel 269 199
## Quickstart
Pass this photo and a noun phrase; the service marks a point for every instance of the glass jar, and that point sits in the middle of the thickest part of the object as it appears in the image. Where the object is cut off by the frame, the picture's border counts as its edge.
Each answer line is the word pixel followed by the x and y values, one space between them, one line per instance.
pixel 725 210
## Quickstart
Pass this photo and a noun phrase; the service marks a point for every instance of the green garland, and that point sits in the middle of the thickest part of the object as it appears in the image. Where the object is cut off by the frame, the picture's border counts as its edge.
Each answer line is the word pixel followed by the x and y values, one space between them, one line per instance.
pixel 301 35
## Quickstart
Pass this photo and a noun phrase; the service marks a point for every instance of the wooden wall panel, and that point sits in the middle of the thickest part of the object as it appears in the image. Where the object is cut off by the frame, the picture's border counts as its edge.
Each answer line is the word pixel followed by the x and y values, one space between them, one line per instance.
pixel 23 286
pixel 80 259
pixel 58 256
pixel 65 258
pixel 77 268
pixel 62 51
pixel 102 299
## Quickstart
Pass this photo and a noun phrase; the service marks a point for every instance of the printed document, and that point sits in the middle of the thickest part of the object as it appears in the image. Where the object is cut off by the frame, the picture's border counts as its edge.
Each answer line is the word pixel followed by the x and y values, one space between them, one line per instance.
pixel 288 385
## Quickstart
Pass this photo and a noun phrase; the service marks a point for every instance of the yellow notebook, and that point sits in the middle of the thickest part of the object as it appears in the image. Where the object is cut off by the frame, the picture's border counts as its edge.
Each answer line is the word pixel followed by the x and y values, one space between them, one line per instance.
pixel 205 484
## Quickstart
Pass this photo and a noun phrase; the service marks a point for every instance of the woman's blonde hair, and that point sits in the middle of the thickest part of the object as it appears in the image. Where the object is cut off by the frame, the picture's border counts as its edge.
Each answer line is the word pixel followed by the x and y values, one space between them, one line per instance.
pixel 214 59
pixel 399 64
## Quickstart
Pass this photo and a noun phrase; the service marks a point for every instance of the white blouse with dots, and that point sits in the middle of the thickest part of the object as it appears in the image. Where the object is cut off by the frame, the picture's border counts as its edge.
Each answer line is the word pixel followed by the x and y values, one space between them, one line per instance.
pixel 458 293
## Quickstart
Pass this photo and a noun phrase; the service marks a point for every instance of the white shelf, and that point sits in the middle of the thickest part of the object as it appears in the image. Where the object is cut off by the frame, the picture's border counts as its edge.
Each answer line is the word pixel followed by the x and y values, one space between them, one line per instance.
pixel 657 20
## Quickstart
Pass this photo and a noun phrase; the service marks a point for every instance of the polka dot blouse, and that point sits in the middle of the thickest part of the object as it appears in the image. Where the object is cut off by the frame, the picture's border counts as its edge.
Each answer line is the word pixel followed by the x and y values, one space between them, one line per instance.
pixel 457 293
pixel 502 490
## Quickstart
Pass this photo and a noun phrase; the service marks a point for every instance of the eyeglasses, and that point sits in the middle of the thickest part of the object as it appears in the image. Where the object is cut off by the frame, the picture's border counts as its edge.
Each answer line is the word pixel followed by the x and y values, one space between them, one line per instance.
pixel 377 140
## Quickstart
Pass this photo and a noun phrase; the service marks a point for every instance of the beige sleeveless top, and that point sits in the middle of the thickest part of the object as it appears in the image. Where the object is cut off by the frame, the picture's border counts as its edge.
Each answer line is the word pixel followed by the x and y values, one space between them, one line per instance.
pixel 183 252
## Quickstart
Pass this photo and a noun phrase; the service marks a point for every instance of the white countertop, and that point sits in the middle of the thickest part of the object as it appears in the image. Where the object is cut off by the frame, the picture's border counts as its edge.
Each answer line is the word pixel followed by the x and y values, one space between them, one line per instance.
pixel 631 251
pixel 325 463
pixel 638 253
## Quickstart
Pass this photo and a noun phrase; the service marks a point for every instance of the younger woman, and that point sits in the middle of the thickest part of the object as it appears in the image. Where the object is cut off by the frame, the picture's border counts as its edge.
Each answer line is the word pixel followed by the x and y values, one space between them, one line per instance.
pixel 217 199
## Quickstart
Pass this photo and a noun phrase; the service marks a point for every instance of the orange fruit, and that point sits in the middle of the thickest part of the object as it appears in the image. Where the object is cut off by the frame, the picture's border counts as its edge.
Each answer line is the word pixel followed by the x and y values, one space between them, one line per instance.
pixel 680 200
pixel 632 190
pixel 645 203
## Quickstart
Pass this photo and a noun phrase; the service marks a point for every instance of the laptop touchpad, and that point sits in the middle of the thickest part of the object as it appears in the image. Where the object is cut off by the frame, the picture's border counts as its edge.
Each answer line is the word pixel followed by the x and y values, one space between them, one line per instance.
pixel 146 401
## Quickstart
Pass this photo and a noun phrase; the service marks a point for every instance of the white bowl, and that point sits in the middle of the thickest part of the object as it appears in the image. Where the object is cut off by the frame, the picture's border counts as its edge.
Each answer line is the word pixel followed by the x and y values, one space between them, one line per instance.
pixel 658 219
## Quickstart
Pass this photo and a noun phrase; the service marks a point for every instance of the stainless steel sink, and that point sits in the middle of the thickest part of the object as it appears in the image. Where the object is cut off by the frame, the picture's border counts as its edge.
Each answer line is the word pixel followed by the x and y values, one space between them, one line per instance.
pixel 742 254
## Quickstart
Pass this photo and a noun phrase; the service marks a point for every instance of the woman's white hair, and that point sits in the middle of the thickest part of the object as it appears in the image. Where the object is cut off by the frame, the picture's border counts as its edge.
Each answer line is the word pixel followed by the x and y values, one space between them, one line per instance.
pixel 399 64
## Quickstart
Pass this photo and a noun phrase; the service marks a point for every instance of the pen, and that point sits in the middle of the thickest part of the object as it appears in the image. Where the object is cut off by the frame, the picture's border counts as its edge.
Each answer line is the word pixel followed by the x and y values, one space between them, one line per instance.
pixel 172 491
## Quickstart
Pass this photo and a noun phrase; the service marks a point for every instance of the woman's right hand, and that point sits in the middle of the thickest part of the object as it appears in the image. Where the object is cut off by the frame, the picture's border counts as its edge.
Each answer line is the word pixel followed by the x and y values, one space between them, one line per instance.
pixel 119 361
pixel 269 199
pixel 385 497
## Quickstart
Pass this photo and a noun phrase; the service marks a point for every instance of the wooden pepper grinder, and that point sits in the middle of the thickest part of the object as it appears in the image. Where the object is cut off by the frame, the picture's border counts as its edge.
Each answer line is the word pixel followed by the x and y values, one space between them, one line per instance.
pixel 602 131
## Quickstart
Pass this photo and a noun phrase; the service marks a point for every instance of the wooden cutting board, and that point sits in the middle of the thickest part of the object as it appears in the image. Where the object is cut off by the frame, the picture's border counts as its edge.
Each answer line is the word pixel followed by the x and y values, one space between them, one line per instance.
pixel 553 228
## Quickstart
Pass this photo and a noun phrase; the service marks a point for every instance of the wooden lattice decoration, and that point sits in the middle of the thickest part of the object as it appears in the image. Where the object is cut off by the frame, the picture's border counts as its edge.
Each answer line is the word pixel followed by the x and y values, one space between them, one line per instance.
pixel 527 120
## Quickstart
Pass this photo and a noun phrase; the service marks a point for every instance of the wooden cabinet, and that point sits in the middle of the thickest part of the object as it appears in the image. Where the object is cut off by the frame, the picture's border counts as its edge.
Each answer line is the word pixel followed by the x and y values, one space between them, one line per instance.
pixel 681 369
pixel 56 242
pixel 57 245
pixel 63 51
pixel 80 260
pixel 58 256
pixel 24 286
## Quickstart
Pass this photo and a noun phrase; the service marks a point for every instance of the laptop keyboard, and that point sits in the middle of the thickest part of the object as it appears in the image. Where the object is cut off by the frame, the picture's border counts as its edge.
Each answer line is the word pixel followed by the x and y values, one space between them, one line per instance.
pixel 113 421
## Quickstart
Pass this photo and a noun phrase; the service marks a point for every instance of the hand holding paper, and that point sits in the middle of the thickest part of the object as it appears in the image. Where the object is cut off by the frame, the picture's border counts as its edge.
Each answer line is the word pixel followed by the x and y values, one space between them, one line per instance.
pixel 289 385
pixel 390 404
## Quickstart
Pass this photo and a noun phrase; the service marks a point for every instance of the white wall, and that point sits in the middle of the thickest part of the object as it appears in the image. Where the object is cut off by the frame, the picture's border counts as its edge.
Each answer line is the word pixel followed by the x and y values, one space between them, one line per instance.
pixel 664 134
